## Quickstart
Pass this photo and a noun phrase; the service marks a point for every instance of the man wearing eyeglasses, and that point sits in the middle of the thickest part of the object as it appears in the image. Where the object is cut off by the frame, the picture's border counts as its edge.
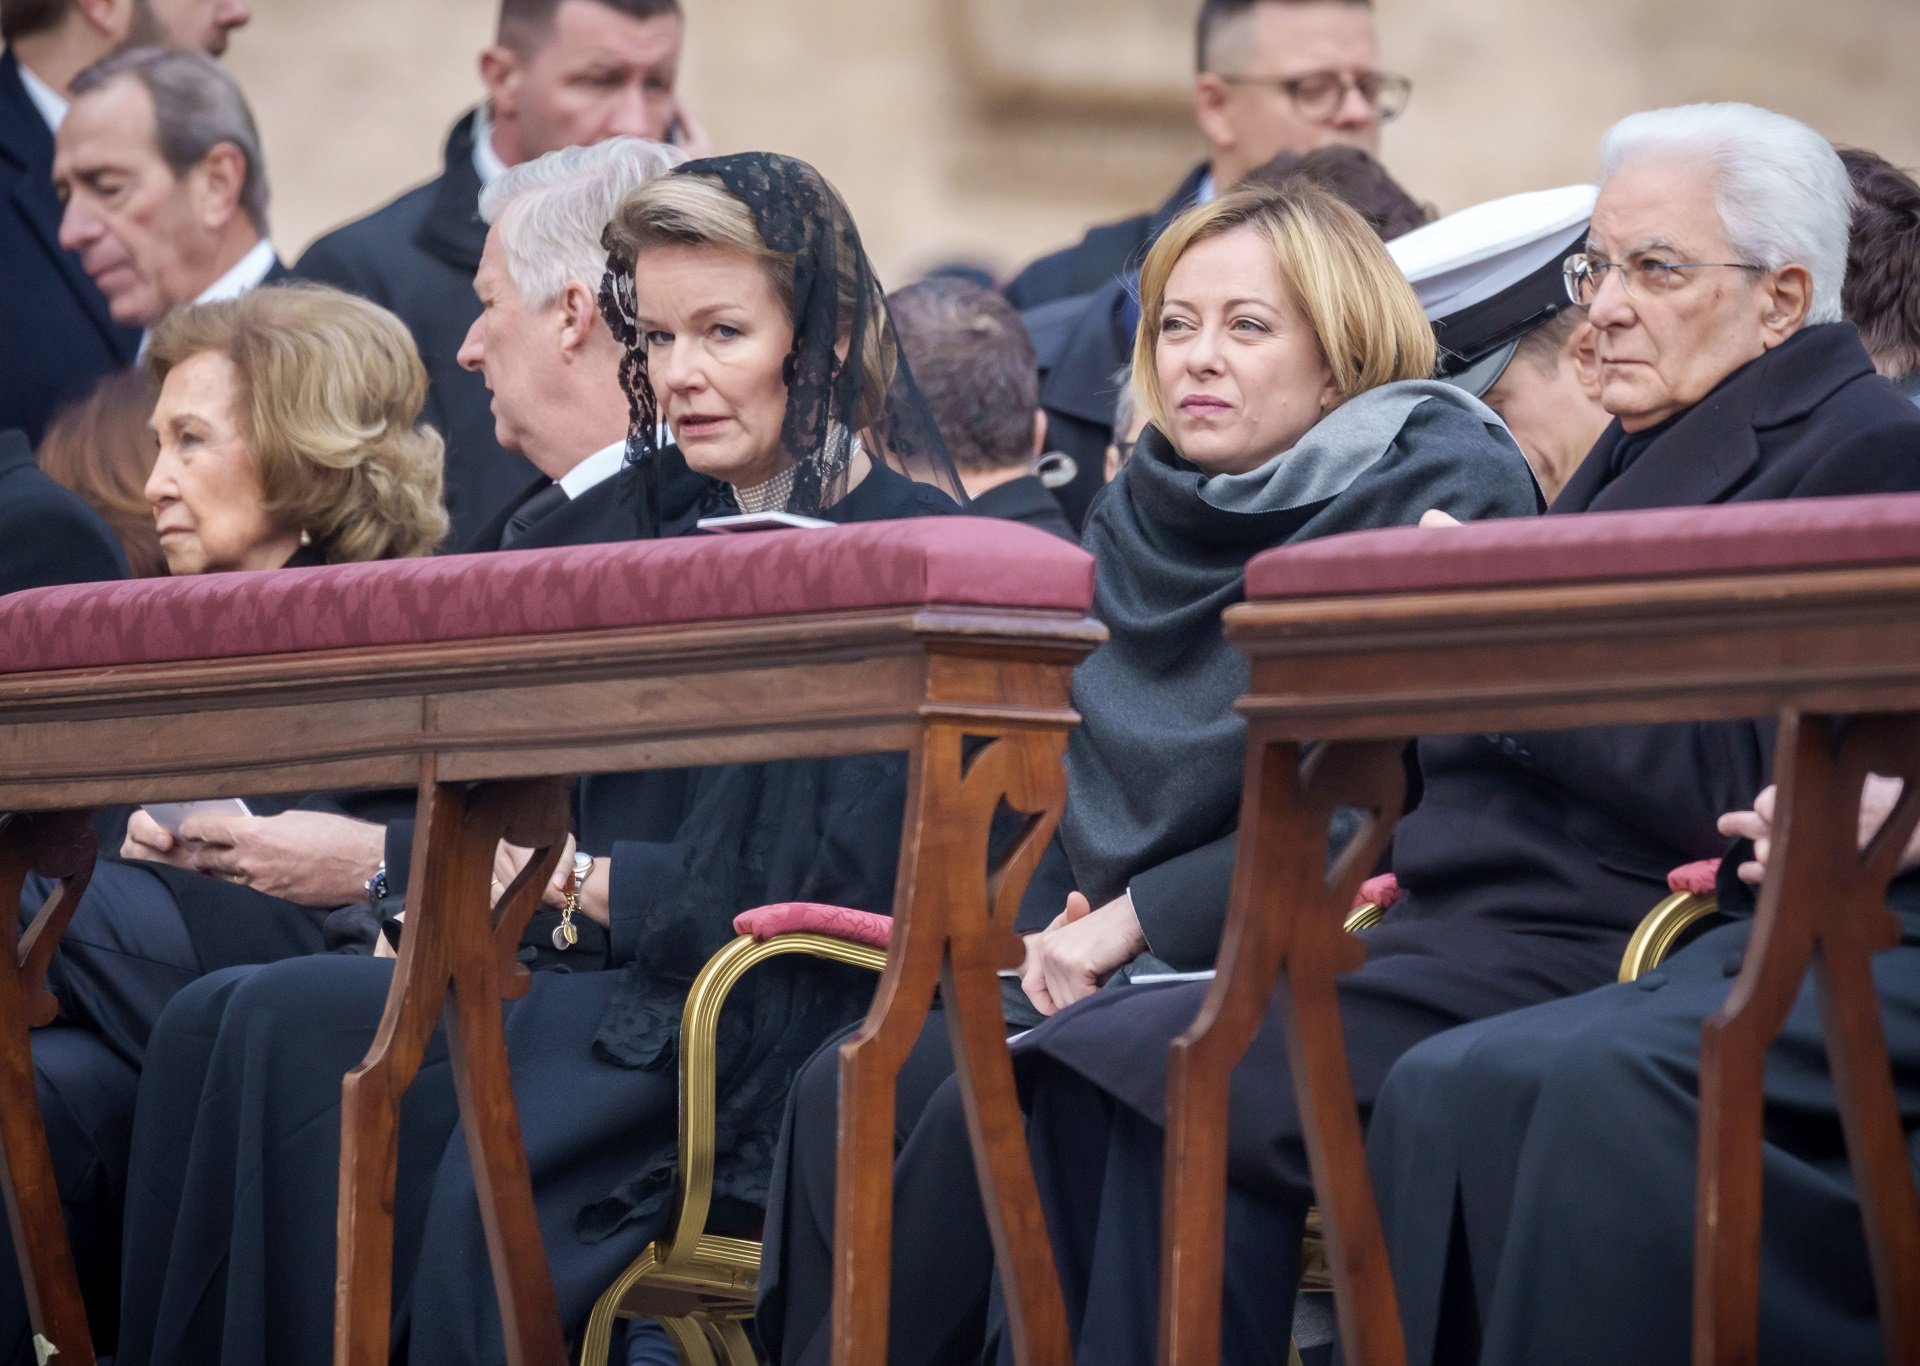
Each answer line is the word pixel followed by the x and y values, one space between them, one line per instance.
pixel 1272 76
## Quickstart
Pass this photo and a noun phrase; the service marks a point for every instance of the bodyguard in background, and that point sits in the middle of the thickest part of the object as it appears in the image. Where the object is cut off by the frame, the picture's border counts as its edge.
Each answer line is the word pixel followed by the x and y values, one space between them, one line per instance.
pixel 1272 76
pixel 561 73
pixel 56 337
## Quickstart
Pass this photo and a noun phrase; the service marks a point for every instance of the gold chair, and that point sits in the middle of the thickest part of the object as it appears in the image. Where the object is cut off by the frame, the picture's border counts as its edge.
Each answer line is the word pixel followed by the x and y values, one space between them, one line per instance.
pixel 700 1286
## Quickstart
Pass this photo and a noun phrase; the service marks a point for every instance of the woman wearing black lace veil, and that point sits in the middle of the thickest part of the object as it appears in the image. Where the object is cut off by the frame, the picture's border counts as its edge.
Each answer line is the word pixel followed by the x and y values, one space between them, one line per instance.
pixel 757 334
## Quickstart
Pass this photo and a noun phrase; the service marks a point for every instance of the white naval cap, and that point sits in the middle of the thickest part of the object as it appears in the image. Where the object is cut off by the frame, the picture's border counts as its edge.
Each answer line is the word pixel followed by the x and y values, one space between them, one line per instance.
pixel 1489 275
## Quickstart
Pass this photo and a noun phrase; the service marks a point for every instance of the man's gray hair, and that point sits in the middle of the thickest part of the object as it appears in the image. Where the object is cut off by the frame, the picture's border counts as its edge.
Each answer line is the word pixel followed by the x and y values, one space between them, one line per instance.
pixel 196 107
pixel 1780 188
pixel 551 212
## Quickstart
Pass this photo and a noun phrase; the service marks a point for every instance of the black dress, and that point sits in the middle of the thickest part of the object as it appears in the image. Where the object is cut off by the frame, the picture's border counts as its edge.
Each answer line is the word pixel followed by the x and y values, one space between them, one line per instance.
pixel 1528 862
pixel 231 1203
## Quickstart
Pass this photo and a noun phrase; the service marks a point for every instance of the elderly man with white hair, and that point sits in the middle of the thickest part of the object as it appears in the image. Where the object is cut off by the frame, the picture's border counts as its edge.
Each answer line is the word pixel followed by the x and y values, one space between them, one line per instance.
pixel 1536 1170
pixel 1711 275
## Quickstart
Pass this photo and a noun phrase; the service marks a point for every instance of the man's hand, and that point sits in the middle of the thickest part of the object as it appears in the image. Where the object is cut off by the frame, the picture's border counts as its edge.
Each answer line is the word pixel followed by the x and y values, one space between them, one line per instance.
pixel 1435 517
pixel 150 841
pixel 308 857
pixel 1078 951
pixel 1877 800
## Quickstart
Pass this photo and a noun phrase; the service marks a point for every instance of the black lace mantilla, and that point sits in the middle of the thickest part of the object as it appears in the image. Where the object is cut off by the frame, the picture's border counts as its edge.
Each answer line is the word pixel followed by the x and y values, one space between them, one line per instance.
pixel 797 212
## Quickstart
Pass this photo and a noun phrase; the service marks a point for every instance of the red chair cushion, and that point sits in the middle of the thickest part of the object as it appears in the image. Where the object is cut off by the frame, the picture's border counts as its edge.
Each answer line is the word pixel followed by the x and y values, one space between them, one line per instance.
pixel 1698 878
pixel 920 562
pixel 811 917
pixel 1765 537
pixel 1382 890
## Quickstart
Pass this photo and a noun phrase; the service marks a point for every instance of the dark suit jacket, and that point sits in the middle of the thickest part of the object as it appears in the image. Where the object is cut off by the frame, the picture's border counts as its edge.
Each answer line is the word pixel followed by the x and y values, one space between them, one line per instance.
pixel 1103 253
pixel 1080 344
pixel 56 337
pixel 1024 500
pixel 47 535
pixel 417 256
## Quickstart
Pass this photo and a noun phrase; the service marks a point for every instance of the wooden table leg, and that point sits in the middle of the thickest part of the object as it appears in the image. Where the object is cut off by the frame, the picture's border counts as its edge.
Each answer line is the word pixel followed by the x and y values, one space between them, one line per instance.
pixel 954 926
pixel 58 845
pixel 1286 918
pixel 1823 906
pixel 452 946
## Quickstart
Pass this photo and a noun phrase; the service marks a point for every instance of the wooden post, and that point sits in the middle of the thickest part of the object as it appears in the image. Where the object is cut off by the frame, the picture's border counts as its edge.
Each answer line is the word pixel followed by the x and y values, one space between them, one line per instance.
pixel 452 944
pixel 1823 906
pixel 58 845
pixel 1286 917
pixel 954 925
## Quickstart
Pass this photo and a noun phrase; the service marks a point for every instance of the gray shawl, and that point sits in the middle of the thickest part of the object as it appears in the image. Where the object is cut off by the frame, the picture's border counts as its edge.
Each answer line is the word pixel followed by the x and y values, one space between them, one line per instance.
pixel 1154 768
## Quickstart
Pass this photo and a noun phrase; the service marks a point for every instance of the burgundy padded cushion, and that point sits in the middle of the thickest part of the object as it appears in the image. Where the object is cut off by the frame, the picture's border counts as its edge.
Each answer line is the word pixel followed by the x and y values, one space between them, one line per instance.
pixel 1698 878
pixel 1382 889
pixel 1800 533
pixel 811 917
pixel 930 561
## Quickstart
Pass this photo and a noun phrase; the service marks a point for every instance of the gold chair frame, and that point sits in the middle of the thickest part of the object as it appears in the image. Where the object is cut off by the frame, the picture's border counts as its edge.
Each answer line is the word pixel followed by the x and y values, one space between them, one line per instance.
pixel 701 1286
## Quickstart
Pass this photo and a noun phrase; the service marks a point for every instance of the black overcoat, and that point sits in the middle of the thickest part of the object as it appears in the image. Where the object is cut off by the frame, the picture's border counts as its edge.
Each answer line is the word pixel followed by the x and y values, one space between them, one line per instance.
pixel 56 337
pixel 1106 251
pixel 47 535
pixel 417 256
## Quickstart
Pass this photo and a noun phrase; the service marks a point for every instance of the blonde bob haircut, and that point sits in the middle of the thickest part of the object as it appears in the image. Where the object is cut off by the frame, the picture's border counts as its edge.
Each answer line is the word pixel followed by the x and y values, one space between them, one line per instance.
pixel 694 211
pixel 1369 326
pixel 331 388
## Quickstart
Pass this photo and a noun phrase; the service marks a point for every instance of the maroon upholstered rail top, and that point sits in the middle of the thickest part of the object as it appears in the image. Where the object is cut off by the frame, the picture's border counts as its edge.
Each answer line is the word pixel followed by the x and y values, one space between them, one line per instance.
pixel 1593 547
pixel 926 562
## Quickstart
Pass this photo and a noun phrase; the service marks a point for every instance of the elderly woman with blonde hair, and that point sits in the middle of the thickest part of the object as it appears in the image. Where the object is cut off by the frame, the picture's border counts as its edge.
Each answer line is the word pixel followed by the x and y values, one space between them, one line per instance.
pixel 289 429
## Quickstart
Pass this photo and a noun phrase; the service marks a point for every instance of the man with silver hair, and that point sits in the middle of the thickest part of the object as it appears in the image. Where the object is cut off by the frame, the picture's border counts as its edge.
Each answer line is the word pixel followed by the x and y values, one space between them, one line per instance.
pixel 158 164
pixel 543 349
pixel 1546 1158
pixel 1711 275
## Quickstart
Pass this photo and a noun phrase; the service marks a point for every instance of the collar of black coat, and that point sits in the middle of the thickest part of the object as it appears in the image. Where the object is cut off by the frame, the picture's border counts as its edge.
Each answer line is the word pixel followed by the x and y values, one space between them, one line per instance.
pixel 452 229
pixel 1711 446
pixel 24 139
pixel 1080 345
pixel 14 451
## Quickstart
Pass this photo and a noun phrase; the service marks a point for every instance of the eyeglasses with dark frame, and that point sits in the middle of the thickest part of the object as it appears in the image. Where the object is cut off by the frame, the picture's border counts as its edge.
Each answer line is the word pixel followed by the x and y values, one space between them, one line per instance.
pixel 1645 274
pixel 1318 95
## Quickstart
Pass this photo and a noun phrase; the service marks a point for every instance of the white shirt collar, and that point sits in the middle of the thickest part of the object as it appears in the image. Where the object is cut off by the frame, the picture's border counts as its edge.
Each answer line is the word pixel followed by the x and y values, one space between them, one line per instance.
pixel 247 273
pixel 596 469
pixel 486 162
pixel 1207 191
pixel 51 104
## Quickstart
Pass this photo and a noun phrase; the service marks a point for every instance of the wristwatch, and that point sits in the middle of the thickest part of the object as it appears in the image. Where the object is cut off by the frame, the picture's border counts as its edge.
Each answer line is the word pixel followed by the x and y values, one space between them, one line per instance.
pixel 377 888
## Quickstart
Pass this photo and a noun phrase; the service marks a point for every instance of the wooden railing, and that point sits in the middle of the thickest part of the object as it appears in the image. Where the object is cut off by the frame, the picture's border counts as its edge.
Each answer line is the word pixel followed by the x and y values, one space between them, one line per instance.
pixel 486 728
pixel 1804 612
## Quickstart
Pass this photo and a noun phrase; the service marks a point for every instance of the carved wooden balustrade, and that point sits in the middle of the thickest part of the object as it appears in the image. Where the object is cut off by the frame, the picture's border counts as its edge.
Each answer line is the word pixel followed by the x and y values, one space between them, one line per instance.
pixel 489 682
pixel 1804 611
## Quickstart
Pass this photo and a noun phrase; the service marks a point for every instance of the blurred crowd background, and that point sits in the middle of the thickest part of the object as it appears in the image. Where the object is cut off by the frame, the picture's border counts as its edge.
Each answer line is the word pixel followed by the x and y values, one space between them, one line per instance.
pixel 993 130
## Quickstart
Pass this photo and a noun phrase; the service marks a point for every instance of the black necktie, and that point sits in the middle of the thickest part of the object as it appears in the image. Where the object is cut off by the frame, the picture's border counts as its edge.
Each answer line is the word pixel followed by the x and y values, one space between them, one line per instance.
pixel 531 511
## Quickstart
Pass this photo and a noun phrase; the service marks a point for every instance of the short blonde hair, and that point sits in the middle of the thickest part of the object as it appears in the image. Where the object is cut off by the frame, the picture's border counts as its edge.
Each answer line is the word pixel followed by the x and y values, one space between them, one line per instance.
pixel 694 210
pixel 331 388
pixel 1370 328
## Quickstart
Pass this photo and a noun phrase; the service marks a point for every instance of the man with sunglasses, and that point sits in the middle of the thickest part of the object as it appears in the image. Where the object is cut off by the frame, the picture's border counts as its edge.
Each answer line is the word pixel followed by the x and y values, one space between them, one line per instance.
pixel 1272 76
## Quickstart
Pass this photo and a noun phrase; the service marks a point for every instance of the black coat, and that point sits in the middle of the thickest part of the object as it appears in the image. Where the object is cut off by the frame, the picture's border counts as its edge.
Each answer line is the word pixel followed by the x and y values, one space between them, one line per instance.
pixel 1532 857
pixel 1103 253
pixel 1024 500
pixel 1081 344
pixel 417 256
pixel 56 337
pixel 47 535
